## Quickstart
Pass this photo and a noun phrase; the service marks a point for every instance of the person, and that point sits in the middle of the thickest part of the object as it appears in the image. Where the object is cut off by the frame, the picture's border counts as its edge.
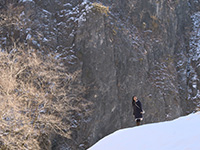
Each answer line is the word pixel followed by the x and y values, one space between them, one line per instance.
pixel 137 110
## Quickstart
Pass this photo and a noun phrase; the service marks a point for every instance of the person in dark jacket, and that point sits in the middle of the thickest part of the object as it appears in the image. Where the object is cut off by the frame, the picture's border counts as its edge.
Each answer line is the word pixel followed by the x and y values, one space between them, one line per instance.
pixel 137 110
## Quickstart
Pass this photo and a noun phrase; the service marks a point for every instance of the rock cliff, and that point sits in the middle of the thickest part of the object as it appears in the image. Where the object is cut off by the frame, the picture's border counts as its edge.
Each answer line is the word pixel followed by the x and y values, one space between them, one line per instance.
pixel 140 48
pixel 147 48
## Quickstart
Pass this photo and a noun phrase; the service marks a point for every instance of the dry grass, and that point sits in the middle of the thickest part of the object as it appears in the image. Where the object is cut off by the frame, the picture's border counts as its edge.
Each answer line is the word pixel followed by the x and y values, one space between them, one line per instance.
pixel 36 94
pixel 101 8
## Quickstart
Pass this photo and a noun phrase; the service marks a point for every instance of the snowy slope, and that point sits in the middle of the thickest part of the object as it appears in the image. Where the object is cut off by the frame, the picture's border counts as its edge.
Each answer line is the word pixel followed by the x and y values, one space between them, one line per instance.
pixel 180 134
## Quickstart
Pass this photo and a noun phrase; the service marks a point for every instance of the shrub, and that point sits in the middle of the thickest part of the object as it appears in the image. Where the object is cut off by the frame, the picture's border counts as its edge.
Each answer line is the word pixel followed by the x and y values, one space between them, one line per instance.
pixel 36 94
pixel 155 22
pixel 11 23
pixel 101 8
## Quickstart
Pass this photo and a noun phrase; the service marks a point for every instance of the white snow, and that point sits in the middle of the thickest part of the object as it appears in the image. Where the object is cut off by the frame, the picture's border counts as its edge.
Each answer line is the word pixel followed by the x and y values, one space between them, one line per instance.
pixel 28 37
pixel 27 0
pixel 195 37
pixel 180 134
pixel 194 58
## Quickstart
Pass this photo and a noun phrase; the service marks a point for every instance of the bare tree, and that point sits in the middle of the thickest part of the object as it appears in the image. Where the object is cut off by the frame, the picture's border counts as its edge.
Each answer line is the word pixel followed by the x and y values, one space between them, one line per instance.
pixel 37 95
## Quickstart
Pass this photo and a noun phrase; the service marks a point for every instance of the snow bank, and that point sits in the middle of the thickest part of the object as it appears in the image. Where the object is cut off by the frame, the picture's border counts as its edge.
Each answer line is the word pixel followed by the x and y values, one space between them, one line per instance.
pixel 180 134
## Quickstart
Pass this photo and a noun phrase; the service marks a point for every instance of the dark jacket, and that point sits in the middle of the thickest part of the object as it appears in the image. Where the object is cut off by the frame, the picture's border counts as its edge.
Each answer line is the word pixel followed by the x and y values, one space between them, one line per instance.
pixel 137 109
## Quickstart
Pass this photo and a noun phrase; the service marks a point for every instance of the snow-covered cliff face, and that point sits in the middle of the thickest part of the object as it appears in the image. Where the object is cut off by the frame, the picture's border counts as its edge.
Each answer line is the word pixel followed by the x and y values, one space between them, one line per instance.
pixel 139 47
pixel 194 55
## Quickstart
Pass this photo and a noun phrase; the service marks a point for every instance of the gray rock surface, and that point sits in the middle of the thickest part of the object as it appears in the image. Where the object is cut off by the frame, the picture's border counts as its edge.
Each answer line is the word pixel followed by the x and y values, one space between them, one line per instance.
pixel 139 49
pixel 147 48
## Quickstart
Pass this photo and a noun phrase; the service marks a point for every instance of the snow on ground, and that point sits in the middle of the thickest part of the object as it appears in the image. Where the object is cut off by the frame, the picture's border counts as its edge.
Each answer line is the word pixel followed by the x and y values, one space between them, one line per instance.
pixel 180 134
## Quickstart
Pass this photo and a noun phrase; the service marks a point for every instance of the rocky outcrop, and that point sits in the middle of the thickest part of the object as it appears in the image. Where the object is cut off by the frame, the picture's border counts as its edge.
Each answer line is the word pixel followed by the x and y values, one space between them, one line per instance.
pixel 137 47
pixel 140 48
